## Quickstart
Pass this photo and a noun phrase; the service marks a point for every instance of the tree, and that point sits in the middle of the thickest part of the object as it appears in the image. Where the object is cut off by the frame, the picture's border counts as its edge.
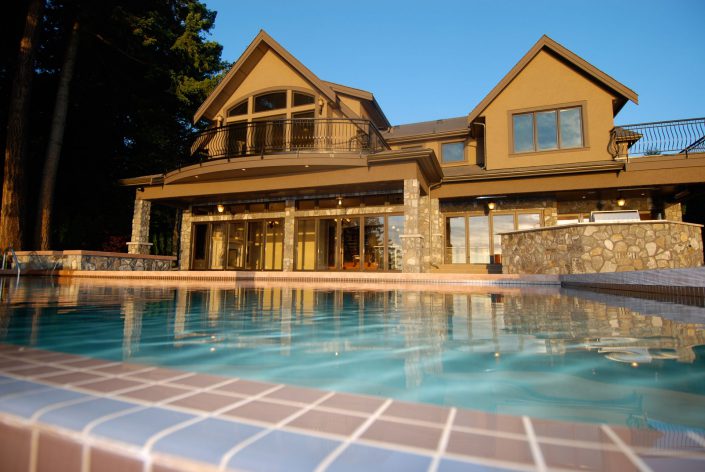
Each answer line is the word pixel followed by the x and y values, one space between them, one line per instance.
pixel 42 239
pixel 13 191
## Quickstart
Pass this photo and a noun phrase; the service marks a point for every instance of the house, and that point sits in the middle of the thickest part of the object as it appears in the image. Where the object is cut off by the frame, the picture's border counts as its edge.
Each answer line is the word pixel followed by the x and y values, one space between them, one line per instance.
pixel 299 174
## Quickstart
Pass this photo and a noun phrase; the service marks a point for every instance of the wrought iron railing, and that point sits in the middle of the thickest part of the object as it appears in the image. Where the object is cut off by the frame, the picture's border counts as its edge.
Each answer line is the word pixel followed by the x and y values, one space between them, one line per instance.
pixel 658 138
pixel 288 135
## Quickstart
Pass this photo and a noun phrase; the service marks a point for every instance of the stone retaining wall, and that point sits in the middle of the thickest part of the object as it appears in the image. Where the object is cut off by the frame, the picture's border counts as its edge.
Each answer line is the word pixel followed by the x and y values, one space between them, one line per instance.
pixel 92 260
pixel 602 247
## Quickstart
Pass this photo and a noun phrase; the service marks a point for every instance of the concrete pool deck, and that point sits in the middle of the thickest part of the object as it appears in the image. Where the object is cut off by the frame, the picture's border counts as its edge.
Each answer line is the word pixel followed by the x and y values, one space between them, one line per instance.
pixel 71 413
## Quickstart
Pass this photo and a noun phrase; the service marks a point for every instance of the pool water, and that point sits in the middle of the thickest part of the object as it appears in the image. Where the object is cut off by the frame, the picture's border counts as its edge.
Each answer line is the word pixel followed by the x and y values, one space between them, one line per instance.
pixel 542 352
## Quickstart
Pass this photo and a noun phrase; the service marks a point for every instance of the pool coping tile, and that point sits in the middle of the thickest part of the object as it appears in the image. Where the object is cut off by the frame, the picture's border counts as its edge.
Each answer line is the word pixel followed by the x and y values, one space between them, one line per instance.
pixel 124 405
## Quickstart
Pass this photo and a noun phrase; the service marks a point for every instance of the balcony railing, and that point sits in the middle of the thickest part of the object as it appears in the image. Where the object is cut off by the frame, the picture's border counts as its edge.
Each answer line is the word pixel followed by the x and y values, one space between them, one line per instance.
pixel 288 136
pixel 663 137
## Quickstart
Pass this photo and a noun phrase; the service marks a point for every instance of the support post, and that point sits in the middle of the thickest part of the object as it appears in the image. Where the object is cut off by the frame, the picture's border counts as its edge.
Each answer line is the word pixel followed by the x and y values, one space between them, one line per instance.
pixel 140 228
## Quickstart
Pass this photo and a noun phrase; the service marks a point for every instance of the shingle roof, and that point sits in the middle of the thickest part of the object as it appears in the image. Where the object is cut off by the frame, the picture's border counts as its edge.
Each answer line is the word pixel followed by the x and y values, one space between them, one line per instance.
pixel 446 125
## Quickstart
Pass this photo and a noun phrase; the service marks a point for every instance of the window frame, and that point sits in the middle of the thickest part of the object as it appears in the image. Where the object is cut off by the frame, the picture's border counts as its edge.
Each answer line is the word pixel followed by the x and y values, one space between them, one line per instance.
pixel 245 102
pixel 582 106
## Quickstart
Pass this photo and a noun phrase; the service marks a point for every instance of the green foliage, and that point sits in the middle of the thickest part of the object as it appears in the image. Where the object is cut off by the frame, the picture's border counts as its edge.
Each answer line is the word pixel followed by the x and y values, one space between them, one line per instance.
pixel 143 68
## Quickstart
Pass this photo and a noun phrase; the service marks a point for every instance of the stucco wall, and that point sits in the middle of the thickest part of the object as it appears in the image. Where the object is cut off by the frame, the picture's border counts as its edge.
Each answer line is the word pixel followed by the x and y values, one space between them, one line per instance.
pixel 603 247
pixel 548 83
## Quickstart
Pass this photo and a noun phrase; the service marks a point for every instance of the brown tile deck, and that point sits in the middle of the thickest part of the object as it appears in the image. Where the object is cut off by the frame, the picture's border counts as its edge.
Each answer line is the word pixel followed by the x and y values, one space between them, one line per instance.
pixel 199 422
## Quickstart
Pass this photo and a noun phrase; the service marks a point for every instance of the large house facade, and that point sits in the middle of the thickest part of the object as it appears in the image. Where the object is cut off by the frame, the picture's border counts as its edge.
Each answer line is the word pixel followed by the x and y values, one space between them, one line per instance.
pixel 299 174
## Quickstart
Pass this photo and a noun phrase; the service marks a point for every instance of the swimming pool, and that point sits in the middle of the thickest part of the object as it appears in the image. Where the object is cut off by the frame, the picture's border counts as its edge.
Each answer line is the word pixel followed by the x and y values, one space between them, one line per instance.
pixel 541 352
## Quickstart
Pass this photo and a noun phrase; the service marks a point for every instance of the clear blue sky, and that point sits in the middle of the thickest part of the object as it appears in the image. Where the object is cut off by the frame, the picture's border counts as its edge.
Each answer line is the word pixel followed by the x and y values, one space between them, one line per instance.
pixel 401 50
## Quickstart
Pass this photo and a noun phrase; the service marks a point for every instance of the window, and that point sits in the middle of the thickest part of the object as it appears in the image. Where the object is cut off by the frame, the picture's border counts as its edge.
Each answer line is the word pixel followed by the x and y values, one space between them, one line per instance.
pixel 270 101
pixel 239 109
pixel 548 130
pixel 302 99
pixel 453 152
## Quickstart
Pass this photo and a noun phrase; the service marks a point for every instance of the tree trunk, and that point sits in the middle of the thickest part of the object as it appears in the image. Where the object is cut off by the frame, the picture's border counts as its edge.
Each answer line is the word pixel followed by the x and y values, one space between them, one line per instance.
pixel 42 235
pixel 13 191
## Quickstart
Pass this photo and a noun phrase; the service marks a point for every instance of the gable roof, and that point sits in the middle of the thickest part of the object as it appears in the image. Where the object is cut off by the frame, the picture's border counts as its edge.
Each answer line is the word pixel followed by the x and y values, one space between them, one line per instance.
pixel 622 91
pixel 229 83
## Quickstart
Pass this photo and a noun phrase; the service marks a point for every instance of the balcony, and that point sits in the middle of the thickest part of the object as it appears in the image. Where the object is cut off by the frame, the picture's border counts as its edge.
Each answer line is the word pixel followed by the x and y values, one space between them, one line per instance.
pixel 677 137
pixel 298 135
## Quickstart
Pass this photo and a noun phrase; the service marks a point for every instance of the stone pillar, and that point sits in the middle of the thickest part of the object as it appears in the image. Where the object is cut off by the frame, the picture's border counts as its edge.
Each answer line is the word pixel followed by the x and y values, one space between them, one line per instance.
pixel 412 239
pixel 140 228
pixel 185 240
pixel 289 229
pixel 673 211
pixel 436 242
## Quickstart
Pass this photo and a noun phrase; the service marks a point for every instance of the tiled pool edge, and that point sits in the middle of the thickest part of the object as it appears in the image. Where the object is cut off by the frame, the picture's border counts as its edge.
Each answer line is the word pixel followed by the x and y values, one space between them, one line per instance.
pixel 416 436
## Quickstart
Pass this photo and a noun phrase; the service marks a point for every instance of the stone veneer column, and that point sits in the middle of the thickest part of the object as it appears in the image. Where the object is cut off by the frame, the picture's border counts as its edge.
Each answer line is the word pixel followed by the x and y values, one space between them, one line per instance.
pixel 289 228
pixel 673 211
pixel 436 242
pixel 185 240
pixel 140 228
pixel 412 240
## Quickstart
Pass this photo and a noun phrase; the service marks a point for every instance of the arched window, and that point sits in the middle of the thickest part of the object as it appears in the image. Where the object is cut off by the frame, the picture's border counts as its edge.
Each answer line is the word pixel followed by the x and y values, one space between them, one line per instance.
pixel 239 109
pixel 270 101
pixel 300 98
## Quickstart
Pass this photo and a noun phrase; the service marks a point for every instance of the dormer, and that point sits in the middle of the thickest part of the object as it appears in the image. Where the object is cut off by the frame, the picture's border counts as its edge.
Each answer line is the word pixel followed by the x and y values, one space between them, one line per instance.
pixel 552 108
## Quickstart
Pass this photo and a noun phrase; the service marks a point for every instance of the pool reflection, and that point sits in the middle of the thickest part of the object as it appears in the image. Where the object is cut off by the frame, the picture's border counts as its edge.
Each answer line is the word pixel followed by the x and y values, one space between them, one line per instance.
pixel 545 352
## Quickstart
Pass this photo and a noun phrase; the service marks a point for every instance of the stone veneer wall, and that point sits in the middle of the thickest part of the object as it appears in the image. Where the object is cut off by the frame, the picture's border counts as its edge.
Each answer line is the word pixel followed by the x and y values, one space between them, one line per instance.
pixel 603 247
pixel 92 260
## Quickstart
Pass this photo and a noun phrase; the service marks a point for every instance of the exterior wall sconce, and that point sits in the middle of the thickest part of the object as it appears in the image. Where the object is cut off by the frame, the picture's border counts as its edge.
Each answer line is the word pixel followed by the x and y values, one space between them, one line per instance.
pixel 340 201
pixel 491 206
pixel 221 208
pixel 621 202
pixel 320 105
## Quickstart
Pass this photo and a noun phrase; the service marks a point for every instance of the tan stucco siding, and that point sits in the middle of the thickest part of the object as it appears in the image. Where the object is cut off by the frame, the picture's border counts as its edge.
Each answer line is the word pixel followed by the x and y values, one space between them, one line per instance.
pixel 272 73
pixel 548 83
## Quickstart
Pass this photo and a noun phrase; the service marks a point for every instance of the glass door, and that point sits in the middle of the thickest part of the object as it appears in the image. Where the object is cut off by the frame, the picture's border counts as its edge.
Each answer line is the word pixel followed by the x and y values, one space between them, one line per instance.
pixel 217 246
pixel 350 242
pixel 374 243
pixel 305 244
pixel 395 228
pixel 200 246
pixel 255 245
pixel 500 224
pixel 326 242
pixel 274 246
pixel 236 245
pixel 479 239
pixel 455 252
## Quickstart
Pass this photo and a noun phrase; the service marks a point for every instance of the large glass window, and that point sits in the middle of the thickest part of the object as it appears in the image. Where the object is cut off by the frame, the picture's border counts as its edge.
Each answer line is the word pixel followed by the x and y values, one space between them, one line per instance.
pixel 480 234
pixel 270 101
pixel 453 152
pixel 200 244
pixel 326 243
pixel 269 133
pixel 548 130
